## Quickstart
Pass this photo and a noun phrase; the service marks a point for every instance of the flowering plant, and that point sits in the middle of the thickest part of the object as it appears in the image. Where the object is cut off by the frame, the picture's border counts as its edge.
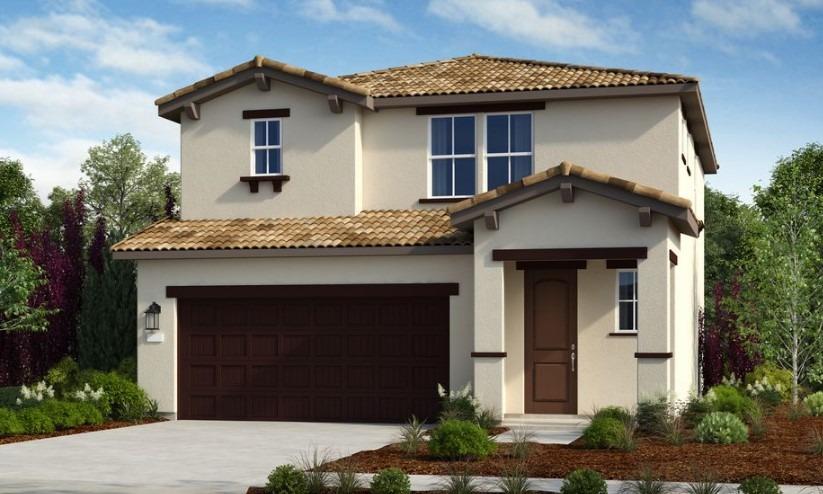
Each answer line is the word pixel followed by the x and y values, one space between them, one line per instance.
pixel 88 394
pixel 37 392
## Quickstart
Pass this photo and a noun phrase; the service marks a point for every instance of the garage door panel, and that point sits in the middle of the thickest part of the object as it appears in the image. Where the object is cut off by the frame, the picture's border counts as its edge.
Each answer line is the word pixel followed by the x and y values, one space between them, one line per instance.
pixel 264 376
pixel 203 406
pixel 295 316
pixel 329 345
pixel 329 376
pixel 263 407
pixel 295 407
pixel 233 346
pixel 295 345
pixel 201 345
pixel 233 376
pixel 296 376
pixel 362 345
pixel 264 345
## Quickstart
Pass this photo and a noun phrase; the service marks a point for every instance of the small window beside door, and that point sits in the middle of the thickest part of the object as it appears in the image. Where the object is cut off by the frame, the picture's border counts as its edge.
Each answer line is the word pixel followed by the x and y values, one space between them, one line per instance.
pixel 627 300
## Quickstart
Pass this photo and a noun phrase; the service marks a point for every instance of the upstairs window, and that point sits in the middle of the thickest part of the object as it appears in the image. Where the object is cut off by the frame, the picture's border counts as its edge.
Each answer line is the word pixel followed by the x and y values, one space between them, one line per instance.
pixel 267 147
pixel 452 156
pixel 509 150
pixel 627 300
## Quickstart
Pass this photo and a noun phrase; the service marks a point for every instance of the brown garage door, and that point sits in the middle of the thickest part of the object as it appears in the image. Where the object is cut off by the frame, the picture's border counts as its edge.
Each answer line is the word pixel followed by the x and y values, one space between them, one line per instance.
pixel 316 359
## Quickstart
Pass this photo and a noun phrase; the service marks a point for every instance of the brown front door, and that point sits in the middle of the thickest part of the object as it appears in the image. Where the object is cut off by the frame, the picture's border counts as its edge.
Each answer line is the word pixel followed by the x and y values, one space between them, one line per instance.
pixel 551 341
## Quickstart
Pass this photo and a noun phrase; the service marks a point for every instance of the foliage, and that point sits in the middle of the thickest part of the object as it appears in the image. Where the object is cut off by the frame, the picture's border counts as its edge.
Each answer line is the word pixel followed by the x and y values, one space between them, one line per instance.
pixel 814 403
pixel 671 428
pixel 647 483
pixel 705 485
pixel 487 418
pixel 766 377
pixel 17 197
pixel 128 368
pixel 583 481
pixel 390 481
pixel 459 483
pixel 286 479
pixel 458 404
pixel 347 480
pixel 696 408
pixel 797 411
pixel 9 423
pixel 604 433
pixel 759 485
pixel 651 414
pixel 460 439
pixel 19 279
pixel 312 464
pixel 35 421
pixel 126 400
pixel 35 393
pixel 725 398
pixel 613 412
pixel 62 374
pixel 8 395
pixel 515 481
pixel 521 443
pixel 63 414
pixel 816 441
pixel 411 435
pixel 756 418
pixel 90 412
pixel 721 428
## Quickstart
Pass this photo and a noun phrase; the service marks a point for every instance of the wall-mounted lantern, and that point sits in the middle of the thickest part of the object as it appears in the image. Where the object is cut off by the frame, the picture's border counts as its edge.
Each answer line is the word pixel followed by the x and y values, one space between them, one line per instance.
pixel 153 317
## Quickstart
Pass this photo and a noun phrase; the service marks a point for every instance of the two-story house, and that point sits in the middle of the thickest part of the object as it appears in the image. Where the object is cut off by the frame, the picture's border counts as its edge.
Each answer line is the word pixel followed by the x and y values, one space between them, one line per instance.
pixel 347 243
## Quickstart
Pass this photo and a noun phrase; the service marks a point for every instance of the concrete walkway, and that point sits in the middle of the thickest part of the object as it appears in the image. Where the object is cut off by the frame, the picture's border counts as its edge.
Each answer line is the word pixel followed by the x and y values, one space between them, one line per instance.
pixel 175 457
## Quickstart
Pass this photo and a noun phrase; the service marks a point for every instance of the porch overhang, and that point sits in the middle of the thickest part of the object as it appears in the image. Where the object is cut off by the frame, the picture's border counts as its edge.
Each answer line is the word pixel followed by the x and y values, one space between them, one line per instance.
pixel 582 254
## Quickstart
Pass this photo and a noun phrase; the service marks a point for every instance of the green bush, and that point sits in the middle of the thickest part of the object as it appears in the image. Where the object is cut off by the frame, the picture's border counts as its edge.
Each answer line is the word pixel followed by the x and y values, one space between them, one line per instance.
pixel 63 375
pixel 34 421
pixel 722 428
pixel 774 375
pixel 390 481
pixel 584 481
pixel 694 411
pixel 651 415
pixel 759 485
pixel 90 413
pixel 128 368
pixel 9 423
pixel 604 433
pixel 725 398
pixel 459 439
pixel 9 395
pixel 613 412
pixel 286 479
pixel 122 399
pixel 814 402
pixel 458 405
pixel 63 414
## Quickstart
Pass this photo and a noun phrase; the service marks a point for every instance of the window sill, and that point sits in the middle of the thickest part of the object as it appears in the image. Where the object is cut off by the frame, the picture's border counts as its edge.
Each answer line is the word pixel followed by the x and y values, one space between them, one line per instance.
pixel 254 182
pixel 623 333
pixel 441 200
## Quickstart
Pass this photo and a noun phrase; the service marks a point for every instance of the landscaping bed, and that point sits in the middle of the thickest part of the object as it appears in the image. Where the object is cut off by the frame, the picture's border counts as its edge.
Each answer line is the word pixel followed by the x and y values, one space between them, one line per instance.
pixel 115 424
pixel 782 454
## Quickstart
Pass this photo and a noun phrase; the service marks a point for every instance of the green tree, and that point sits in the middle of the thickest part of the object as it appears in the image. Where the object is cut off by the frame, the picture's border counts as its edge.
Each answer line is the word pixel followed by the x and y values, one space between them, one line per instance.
pixel 17 195
pixel 19 278
pixel 728 223
pixel 782 303
pixel 125 187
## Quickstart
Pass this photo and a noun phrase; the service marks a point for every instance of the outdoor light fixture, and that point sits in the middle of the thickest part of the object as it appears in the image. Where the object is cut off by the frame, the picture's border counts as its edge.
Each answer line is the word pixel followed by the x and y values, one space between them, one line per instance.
pixel 153 317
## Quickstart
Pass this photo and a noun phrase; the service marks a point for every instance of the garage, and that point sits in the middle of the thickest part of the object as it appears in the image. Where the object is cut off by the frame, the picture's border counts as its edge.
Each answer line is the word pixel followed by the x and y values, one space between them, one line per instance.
pixel 333 353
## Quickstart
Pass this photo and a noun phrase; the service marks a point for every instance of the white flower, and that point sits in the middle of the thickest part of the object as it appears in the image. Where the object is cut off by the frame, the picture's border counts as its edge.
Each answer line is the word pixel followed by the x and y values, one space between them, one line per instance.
pixel 440 391
pixel 25 392
pixel 19 402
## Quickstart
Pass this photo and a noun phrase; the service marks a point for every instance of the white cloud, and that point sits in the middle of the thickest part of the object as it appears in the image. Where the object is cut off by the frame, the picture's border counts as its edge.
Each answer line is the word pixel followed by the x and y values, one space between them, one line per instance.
pixel 748 18
pixel 133 45
pixel 328 11
pixel 243 4
pixel 8 63
pixel 539 22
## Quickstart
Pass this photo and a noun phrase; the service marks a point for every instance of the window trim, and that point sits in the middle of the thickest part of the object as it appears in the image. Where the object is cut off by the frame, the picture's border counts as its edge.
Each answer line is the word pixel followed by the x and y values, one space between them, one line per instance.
pixel 253 148
pixel 617 299
pixel 486 155
pixel 430 157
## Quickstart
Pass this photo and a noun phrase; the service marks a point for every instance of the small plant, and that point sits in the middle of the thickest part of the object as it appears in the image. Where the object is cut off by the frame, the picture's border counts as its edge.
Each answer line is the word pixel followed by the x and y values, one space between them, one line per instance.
pixel 604 433
pixel 776 377
pixel 459 483
pixel 672 429
pixel 814 403
pixel 487 418
pixel 651 413
pixel 612 412
pixel 347 480
pixel 721 428
pixel 584 481
pixel 625 441
pixel 35 394
pixel 515 481
pixel 63 414
pixel 390 481
pixel 647 483
pixel 759 485
pixel 459 439
pixel 286 479
pixel 411 435
pixel 694 411
pixel 726 398
pixel 521 443
pixel 756 418
pixel 63 373
pixel 459 405
pixel 9 423
pixel 317 478
pixel 34 421
pixel 816 441
pixel 91 414
pixel 797 411
pixel 768 393
pixel 88 394
pixel 705 485
pixel 122 399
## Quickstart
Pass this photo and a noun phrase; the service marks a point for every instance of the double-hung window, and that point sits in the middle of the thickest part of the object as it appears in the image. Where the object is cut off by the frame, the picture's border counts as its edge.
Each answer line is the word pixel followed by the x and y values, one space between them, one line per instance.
pixel 509 148
pixel 452 156
pixel 266 147
pixel 627 300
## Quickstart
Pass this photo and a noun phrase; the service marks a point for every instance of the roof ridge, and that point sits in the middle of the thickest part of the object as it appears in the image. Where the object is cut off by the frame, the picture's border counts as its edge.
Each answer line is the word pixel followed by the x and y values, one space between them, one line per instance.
pixel 407 66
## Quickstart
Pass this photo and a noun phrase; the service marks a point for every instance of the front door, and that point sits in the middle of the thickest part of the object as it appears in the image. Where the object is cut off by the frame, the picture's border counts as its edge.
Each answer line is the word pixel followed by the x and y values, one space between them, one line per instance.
pixel 551 341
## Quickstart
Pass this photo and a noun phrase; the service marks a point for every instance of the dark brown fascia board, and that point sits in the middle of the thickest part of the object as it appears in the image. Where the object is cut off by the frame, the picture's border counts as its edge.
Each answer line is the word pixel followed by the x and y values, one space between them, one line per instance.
pixel 266 113
pixel 482 108
pixel 439 200
pixel 683 218
pixel 301 252
pixel 621 263
pixel 688 92
pixel 537 265
pixel 312 291
pixel 570 254
pixel 488 354
pixel 662 355
pixel 171 110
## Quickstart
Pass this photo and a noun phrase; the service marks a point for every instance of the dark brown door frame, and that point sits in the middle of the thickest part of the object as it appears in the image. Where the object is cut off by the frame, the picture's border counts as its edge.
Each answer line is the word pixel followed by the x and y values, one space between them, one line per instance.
pixel 530 406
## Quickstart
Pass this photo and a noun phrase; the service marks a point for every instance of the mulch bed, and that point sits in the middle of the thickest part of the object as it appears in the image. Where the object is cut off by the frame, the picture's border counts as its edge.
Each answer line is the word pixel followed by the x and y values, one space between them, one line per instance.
pixel 781 454
pixel 116 424
pixel 260 490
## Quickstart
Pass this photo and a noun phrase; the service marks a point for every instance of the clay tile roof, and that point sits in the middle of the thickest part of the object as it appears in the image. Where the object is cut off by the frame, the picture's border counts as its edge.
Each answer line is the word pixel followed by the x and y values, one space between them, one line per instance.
pixel 381 228
pixel 569 169
pixel 485 74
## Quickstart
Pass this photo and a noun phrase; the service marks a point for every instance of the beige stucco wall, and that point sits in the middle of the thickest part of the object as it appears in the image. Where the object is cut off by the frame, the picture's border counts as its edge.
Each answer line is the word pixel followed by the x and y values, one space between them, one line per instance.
pixel 320 155
pixel 157 362
pixel 632 138
pixel 608 372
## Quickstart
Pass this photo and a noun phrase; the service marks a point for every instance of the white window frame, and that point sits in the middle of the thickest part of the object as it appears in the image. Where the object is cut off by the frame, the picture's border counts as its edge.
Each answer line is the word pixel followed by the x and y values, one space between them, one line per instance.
pixel 635 300
pixel 254 148
pixel 430 157
pixel 487 155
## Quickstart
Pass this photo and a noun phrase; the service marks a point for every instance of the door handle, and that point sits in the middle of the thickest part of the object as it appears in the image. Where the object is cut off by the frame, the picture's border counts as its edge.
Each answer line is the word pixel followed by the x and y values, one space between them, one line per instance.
pixel 573 357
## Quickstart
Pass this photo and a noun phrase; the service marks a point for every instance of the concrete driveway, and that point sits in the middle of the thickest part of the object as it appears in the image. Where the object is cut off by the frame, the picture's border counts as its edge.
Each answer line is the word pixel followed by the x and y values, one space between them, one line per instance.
pixel 178 456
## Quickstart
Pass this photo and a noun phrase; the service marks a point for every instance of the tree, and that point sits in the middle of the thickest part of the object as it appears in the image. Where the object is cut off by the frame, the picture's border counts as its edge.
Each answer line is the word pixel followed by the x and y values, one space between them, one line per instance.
pixel 19 279
pixel 125 187
pixel 783 299
pixel 728 222
pixel 17 196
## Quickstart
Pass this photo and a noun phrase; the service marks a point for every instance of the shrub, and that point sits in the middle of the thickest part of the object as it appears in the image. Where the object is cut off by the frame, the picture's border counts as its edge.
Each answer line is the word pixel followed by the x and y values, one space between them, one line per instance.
pixel 583 481
pixel 725 398
pixel 458 439
pixel 63 414
pixel 286 479
pixel 514 481
pixel 797 411
pixel 91 414
pixel 521 443
pixel 672 429
pixel 646 484
pixel 816 441
pixel 312 464
pixel 759 485
pixel 347 480
pixel 128 368
pixel 604 433
pixel 123 399
pixel 721 428
pixel 780 379
pixel 814 403
pixel 8 395
pixel 9 423
pixel 704 486
pixel 612 412
pixel 34 421
pixel 411 436
pixel 487 419
pixel 459 483
pixel 390 481
pixel 756 419
pixel 694 411
pixel 63 375
pixel 651 413
pixel 458 405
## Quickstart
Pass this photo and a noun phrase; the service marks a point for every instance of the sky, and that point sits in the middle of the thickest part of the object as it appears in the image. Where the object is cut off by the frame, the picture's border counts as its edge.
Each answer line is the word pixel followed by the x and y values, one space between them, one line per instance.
pixel 73 73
